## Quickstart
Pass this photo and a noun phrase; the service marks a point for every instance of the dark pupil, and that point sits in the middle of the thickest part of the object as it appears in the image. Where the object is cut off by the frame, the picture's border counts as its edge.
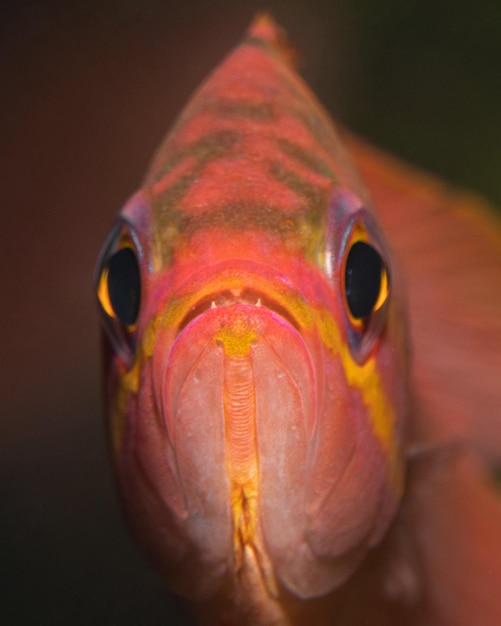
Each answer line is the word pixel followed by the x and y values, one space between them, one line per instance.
pixel 124 285
pixel 363 279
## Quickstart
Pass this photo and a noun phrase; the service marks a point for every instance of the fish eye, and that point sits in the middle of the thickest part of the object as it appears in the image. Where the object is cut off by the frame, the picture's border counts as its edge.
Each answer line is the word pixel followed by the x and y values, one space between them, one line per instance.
pixel 119 290
pixel 366 280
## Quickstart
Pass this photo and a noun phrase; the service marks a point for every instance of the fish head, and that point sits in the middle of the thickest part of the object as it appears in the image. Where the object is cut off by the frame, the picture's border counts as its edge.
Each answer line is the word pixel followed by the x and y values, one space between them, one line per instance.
pixel 256 370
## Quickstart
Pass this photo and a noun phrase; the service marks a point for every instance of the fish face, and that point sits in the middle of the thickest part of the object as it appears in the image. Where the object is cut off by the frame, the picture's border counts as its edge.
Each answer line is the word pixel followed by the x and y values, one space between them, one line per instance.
pixel 256 371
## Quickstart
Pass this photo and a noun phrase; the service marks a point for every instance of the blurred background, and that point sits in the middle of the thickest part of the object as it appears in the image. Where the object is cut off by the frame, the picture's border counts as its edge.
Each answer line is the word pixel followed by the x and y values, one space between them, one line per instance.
pixel 87 91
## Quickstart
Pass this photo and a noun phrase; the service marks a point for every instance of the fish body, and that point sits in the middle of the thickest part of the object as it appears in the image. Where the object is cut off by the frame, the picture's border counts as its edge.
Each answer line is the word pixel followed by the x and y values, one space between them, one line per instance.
pixel 257 353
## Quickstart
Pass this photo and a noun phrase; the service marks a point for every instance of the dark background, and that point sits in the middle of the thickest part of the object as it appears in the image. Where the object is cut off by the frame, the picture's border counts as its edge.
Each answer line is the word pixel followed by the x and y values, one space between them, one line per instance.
pixel 87 90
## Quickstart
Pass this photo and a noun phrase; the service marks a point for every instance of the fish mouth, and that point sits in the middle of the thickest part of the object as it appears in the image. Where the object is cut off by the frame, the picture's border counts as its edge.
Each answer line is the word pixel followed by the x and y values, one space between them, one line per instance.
pixel 235 380
pixel 238 295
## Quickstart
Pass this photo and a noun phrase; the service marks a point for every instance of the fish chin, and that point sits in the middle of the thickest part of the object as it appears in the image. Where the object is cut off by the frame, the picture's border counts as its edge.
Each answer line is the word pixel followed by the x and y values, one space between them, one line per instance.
pixel 239 391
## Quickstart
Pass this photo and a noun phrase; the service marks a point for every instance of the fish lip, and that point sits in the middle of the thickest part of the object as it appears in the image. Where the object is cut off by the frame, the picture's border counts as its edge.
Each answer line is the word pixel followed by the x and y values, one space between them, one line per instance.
pixel 244 282
pixel 228 298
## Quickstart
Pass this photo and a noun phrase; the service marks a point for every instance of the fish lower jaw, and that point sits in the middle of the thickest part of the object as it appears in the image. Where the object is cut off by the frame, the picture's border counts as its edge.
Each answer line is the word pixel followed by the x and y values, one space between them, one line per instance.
pixel 236 386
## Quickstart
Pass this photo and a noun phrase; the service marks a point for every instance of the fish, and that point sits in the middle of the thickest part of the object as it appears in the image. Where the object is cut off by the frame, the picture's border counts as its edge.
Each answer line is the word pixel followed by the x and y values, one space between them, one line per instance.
pixel 302 427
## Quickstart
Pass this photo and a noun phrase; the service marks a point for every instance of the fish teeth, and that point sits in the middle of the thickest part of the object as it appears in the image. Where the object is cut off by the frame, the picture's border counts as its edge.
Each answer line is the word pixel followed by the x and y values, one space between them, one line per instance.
pixel 258 303
pixel 213 305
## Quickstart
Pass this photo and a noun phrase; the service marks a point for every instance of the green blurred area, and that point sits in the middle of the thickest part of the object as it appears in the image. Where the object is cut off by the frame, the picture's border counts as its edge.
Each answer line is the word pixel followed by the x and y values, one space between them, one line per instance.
pixel 427 85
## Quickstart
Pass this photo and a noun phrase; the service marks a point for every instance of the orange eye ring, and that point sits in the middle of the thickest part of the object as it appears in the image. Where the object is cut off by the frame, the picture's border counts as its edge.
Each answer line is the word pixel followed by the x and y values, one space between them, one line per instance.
pixel 103 295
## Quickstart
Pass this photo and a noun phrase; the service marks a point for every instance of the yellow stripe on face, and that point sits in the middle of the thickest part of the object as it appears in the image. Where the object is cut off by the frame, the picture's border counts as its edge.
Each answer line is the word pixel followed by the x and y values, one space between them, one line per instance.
pixel 367 380
pixel 128 385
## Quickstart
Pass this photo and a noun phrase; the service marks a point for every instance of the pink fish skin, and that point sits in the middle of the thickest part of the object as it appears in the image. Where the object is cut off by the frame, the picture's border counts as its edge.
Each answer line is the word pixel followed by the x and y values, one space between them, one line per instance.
pixel 259 419
pixel 257 422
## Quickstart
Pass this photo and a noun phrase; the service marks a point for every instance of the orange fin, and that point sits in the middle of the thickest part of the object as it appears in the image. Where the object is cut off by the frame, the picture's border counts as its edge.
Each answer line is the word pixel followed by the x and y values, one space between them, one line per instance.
pixel 452 518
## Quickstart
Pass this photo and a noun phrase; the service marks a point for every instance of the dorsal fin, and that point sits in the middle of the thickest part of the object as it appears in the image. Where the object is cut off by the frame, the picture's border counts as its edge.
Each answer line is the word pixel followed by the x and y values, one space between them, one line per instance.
pixel 265 29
